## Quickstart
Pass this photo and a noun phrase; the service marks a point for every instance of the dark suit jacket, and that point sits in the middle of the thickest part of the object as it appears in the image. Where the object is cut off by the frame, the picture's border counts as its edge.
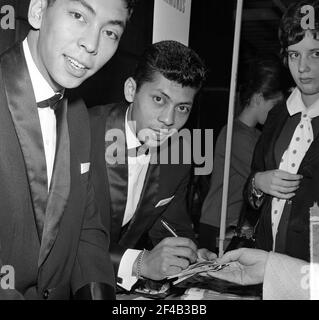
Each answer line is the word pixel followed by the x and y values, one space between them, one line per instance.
pixel 110 183
pixel 56 243
pixel 297 224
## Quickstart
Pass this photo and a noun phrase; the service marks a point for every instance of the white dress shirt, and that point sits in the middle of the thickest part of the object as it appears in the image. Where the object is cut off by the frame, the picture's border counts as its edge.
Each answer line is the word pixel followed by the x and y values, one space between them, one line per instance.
pixel 137 168
pixel 298 147
pixel 43 91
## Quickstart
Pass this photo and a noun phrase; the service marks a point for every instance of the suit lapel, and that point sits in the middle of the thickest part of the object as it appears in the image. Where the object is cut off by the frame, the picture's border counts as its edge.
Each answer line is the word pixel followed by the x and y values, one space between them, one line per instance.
pixel 116 166
pixel 23 109
pixel 273 134
pixel 145 214
pixel 311 156
pixel 60 184
pixel 150 187
pixel 48 209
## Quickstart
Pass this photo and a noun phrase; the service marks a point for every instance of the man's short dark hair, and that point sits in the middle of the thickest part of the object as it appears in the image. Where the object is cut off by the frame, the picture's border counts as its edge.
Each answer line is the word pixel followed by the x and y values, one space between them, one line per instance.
pixel 174 61
pixel 290 28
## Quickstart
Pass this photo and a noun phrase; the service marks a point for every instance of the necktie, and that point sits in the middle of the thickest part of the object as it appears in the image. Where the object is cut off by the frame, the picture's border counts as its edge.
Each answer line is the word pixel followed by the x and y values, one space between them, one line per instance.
pixel 291 160
pixel 51 102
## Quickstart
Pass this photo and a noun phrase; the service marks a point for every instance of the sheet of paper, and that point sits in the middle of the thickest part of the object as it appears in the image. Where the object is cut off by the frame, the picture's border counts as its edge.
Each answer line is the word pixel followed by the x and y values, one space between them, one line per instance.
pixel 199 267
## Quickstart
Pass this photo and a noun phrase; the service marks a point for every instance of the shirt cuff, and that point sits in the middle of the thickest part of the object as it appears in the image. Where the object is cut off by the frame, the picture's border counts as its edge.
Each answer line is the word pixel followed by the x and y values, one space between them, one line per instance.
pixel 126 269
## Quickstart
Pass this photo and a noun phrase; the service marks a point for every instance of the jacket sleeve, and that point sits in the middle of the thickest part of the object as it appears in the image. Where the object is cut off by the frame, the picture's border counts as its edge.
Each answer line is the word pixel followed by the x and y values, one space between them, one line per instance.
pixel 286 278
pixel 257 165
pixel 92 276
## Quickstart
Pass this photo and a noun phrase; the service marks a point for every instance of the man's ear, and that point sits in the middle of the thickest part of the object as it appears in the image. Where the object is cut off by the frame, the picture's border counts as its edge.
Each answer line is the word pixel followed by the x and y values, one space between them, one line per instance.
pixel 130 89
pixel 35 13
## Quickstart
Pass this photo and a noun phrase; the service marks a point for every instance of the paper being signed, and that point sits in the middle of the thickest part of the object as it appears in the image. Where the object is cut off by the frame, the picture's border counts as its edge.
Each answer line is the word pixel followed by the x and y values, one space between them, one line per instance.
pixel 198 267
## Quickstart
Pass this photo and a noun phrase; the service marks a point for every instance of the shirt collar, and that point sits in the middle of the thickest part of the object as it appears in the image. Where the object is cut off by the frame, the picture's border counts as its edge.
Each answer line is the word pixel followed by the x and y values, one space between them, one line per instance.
pixel 41 87
pixel 296 105
pixel 131 139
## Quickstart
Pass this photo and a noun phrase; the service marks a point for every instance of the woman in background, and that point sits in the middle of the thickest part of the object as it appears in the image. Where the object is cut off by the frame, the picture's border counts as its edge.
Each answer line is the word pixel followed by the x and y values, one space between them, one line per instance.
pixel 262 89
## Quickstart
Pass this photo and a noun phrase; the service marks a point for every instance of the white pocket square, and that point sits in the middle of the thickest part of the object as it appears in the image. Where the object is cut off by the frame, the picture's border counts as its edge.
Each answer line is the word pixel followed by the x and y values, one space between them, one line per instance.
pixel 85 167
pixel 164 201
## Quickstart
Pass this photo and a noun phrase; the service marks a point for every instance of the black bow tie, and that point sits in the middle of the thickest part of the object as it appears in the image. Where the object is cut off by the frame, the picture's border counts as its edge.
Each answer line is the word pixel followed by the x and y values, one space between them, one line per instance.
pixel 51 102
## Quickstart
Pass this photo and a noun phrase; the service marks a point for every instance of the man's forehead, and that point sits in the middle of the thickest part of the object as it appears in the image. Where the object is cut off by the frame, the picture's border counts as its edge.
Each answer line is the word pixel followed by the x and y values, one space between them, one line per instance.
pixel 96 6
pixel 85 4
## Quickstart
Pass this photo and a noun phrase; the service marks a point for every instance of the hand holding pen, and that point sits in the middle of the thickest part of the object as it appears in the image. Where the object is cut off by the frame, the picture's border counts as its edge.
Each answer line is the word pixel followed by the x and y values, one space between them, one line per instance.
pixel 203 254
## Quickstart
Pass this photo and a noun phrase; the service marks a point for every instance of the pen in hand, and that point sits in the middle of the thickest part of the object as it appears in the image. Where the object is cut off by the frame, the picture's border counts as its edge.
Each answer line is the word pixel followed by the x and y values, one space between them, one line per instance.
pixel 168 228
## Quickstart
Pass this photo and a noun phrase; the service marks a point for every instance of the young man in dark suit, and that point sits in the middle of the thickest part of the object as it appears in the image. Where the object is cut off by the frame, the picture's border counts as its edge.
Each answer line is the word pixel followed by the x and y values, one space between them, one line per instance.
pixel 141 186
pixel 50 230
pixel 285 168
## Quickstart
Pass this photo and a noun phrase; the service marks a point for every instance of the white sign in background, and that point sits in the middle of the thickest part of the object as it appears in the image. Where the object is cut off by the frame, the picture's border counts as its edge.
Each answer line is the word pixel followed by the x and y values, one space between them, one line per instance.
pixel 172 20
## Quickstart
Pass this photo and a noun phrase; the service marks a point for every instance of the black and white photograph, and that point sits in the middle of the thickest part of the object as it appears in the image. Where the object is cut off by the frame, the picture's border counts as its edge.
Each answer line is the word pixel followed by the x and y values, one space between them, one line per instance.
pixel 161 155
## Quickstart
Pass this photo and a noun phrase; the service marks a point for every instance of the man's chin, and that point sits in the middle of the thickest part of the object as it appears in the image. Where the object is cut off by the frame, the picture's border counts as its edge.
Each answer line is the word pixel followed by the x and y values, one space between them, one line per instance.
pixel 69 82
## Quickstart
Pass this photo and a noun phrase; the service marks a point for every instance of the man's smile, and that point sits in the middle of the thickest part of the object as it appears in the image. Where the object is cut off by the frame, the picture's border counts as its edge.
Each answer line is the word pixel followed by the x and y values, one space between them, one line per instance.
pixel 75 67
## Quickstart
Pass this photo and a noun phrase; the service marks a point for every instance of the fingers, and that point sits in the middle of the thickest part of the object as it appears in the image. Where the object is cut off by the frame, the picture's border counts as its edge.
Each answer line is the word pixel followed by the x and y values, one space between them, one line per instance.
pixel 211 256
pixel 230 256
pixel 285 189
pixel 178 242
pixel 287 176
pixel 205 254
pixel 285 196
pixel 279 183
pixel 178 247
pixel 175 266
pixel 173 270
pixel 182 252
pixel 167 265
pixel 288 184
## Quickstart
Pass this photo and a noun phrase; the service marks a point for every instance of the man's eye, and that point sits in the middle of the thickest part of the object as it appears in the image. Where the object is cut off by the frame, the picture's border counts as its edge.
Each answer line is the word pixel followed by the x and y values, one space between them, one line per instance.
pixel 158 100
pixel 77 16
pixel 112 35
pixel 315 54
pixel 183 109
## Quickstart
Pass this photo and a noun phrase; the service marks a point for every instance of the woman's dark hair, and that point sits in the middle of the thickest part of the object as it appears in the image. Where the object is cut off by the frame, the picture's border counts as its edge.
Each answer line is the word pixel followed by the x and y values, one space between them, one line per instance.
pixel 265 75
pixel 290 28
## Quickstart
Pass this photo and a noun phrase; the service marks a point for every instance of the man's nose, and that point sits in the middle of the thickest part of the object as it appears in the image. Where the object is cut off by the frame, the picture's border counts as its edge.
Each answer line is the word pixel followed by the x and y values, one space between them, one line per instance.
pixel 167 116
pixel 89 40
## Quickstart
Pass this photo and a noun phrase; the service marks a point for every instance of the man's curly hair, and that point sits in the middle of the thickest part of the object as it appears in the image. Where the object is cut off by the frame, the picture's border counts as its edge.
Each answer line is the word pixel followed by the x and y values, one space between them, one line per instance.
pixel 174 61
pixel 290 28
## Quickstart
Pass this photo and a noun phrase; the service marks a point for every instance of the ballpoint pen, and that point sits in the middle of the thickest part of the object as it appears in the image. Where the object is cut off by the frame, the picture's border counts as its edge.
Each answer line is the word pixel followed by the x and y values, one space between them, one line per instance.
pixel 168 228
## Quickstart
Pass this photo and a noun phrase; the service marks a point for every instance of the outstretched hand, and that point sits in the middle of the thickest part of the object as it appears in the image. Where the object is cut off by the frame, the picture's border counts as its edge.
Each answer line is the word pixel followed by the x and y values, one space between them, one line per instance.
pixel 246 266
